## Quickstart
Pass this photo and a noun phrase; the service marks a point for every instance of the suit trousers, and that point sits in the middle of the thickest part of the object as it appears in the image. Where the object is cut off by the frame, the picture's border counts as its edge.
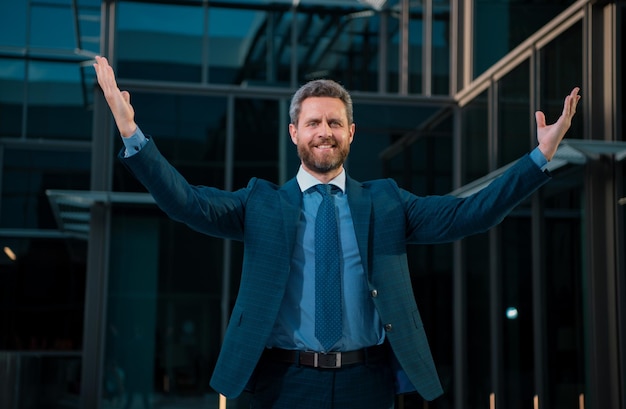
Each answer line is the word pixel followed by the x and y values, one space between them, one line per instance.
pixel 290 386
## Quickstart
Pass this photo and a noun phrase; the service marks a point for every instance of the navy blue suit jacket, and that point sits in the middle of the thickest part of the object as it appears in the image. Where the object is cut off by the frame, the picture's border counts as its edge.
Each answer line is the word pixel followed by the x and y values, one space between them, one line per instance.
pixel 386 219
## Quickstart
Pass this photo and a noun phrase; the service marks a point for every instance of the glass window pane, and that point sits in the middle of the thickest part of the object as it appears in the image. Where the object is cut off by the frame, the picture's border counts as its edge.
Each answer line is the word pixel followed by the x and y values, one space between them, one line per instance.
pixel 164 310
pixel 561 70
pixel 513 21
pixel 159 41
pixel 514 118
pixel 239 42
pixel 565 242
pixel 342 44
pixel 59 27
pixel 42 288
pixel 378 126
pixel 26 176
pixel 13 22
pixel 416 48
pixel 41 380
pixel 12 89
pixel 55 93
pixel 189 130
pixel 89 26
pixel 475 139
pixel 477 344
pixel 441 47
pixel 257 140
pixel 516 313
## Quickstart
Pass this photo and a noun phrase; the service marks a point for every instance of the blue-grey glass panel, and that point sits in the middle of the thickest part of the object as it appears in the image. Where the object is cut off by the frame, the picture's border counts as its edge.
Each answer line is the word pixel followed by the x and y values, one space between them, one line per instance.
pixel 341 44
pixel 239 45
pixel 26 175
pixel 39 381
pixel 52 27
pixel 500 26
pixel 515 313
pixel 163 319
pixel 159 41
pixel 561 67
pixel 189 130
pixel 56 93
pixel 378 126
pixel 13 18
pixel 416 45
pixel 441 47
pixel 257 140
pixel 41 294
pixel 12 89
pixel 474 131
pixel 565 242
pixel 476 311
pixel 515 135
pixel 89 26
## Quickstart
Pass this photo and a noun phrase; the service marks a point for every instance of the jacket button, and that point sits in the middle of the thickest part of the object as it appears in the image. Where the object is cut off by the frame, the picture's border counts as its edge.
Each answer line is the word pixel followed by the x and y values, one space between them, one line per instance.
pixel 388 327
pixel 374 293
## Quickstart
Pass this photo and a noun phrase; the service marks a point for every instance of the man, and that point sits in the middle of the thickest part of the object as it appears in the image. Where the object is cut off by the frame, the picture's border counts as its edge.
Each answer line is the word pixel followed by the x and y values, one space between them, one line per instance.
pixel 371 343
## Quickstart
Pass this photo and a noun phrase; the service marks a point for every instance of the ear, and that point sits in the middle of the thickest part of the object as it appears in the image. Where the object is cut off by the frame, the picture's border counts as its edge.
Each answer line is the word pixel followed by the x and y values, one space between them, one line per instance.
pixel 352 130
pixel 293 131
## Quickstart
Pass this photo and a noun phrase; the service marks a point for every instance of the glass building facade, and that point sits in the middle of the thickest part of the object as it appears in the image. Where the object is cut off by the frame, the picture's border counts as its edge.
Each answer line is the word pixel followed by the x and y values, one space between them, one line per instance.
pixel 106 303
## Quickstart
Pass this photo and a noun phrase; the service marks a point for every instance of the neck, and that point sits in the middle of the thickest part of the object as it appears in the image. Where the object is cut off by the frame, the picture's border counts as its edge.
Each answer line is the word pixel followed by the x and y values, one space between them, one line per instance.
pixel 324 177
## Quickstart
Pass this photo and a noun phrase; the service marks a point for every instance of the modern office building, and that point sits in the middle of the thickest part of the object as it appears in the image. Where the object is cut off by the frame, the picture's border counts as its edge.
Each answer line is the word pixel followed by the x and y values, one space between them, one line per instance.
pixel 106 303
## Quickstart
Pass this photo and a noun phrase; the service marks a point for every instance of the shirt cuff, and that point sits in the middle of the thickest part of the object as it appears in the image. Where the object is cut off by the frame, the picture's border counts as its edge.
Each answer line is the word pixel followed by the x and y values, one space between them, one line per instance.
pixel 134 143
pixel 537 156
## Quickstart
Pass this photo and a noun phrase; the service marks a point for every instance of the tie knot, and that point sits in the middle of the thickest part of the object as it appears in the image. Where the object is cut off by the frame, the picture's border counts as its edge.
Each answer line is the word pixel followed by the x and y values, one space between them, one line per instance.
pixel 327 189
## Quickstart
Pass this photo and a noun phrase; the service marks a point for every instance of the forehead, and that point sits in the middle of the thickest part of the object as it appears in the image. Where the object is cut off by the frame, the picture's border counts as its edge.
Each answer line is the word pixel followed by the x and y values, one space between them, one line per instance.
pixel 322 106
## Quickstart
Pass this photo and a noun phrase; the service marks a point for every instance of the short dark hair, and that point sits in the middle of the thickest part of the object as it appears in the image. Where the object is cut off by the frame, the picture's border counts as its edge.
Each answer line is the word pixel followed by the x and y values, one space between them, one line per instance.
pixel 320 88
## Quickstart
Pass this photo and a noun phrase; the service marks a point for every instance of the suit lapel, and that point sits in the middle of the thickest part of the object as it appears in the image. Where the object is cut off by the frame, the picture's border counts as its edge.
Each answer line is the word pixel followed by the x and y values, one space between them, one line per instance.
pixel 360 203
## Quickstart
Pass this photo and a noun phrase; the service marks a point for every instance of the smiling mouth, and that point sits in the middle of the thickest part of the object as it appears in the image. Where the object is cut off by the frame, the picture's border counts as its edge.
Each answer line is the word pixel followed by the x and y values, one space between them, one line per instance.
pixel 325 147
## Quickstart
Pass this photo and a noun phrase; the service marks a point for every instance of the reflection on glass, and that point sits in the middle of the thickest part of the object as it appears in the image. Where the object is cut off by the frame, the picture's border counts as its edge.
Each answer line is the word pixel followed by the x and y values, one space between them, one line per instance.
pixel 12 89
pixel 514 21
pixel 39 380
pixel 59 23
pixel 515 136
pixel 475 144
pixel 55 93
pixel 41 295
pixel 13 15
pixel 26 175
pixel 160 41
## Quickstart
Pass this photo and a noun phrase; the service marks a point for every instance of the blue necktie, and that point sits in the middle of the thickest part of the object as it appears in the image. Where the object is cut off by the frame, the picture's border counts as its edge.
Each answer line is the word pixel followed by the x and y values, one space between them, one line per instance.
pixel 328 326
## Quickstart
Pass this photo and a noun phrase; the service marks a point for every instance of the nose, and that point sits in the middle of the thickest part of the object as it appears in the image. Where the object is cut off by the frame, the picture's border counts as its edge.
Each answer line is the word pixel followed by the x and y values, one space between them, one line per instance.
pixel 325 129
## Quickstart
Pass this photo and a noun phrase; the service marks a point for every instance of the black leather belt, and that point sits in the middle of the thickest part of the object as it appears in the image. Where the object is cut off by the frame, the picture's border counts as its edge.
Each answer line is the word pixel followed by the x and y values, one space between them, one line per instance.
pixel 330 360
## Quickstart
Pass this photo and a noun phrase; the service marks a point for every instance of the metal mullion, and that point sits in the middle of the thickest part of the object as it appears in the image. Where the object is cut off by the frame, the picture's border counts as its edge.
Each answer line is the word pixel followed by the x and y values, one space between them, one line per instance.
pixel 427 47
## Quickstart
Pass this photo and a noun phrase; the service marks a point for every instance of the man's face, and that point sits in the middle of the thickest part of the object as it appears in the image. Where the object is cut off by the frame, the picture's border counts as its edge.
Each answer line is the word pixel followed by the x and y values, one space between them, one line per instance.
pixel 323 136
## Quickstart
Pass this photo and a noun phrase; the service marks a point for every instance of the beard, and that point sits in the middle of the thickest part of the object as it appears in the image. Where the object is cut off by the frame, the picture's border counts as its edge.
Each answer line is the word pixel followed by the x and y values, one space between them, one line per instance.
pixel 323 162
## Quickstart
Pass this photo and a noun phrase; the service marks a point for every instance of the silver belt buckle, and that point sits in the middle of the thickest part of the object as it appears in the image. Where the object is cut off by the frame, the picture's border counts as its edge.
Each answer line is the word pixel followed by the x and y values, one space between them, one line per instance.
pixel 325 361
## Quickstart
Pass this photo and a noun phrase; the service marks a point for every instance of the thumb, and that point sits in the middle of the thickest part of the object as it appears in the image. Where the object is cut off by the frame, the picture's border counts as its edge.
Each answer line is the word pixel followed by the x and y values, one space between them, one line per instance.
pixel 126 96
pixel 540 118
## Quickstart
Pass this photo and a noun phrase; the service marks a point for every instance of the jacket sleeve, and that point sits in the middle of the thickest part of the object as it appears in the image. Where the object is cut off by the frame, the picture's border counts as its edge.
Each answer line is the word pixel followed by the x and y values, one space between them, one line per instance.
pixel 439 219
pixel 205 209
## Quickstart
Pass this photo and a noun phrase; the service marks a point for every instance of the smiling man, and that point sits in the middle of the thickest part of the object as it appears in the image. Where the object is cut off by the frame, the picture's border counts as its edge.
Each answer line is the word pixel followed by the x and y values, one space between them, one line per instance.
pixel 325 316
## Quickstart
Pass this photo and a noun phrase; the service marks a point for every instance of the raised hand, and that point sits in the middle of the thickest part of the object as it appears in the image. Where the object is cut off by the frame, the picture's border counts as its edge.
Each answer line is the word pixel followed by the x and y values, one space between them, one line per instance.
pixel 118 101
pixel 550 136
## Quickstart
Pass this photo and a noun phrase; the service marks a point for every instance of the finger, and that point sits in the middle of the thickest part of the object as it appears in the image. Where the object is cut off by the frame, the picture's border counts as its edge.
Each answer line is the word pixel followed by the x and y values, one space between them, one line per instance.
pixel 571 101
pixel 541 119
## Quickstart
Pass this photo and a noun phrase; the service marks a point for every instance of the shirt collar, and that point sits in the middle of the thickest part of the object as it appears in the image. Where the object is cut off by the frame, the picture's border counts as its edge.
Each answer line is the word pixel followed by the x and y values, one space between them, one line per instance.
pixel 306 180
